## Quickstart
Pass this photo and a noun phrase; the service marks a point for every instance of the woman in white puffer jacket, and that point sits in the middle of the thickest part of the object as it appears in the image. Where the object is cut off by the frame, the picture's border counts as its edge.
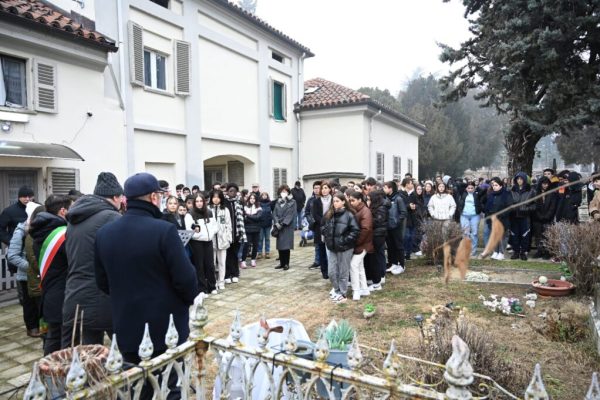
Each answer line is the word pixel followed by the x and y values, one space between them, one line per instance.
pixel 441 206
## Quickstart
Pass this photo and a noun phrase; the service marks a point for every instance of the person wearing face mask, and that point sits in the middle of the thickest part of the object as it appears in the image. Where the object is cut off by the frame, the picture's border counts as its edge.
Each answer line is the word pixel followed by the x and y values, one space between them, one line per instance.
pixel 284 217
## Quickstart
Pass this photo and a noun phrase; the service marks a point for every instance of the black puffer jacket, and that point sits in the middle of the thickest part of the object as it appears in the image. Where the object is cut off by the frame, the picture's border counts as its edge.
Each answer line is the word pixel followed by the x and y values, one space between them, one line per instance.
pixel 569 200
pixel 340 231
pixel 53 283
pixel 84 218
pixel 545 207
pixel 380 219
pixel 521 194
pixel 12 216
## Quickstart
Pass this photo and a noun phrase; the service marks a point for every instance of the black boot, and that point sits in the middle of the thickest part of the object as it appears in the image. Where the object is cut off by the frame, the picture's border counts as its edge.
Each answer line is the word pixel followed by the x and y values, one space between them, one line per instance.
pixel 515 255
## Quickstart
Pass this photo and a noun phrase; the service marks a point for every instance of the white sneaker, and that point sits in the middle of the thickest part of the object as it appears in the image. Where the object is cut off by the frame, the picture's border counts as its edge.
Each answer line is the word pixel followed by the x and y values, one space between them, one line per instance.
pixel 369 282
pixel 365 292
pixel 341 299
pixel 375 286
pixel 243 265
pixel 356 296
pixel 337 297
pixel 500 257
pixel 390 268
pixel 227 280
pixel 494 256
pixel 235 279
pixel 397 269
pixel 253 263
pixel 419 253
pixel 214 292
pixel 332 293
pixel 221 286
pixel 382 281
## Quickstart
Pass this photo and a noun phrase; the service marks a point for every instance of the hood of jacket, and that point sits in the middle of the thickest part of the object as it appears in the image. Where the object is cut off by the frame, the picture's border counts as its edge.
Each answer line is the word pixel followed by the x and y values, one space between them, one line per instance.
pixel 86 206
pixel 544 179
pixel 44 223
pixel 523 175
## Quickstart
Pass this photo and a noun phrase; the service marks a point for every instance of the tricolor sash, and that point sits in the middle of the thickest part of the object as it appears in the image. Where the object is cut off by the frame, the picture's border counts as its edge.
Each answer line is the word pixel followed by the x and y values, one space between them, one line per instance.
pixel 49 249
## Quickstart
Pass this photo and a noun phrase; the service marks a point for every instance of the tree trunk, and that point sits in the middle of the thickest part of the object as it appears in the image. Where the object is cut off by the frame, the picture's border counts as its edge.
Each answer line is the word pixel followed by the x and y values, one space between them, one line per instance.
pixel 520 145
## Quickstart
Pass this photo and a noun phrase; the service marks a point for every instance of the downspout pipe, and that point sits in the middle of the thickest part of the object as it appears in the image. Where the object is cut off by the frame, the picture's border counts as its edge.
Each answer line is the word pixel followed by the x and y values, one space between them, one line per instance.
pixel 297 114
pixel 371 142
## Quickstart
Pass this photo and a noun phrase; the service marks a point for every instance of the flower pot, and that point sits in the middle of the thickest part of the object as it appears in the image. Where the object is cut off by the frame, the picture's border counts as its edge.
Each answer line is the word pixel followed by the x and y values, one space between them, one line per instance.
pixel 335 357
pixel 368 314
pixel 554 288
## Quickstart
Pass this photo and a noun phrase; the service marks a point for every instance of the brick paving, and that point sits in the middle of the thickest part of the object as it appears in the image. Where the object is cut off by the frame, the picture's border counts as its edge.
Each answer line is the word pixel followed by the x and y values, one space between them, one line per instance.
pixel 262 289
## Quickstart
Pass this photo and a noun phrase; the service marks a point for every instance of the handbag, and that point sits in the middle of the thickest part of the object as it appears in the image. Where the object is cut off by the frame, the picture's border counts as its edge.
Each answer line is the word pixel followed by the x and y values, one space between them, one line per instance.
pixel 274 231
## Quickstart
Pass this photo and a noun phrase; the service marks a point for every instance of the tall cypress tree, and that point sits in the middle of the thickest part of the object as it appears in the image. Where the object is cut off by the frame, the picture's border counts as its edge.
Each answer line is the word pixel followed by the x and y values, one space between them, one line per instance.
pixel 535 60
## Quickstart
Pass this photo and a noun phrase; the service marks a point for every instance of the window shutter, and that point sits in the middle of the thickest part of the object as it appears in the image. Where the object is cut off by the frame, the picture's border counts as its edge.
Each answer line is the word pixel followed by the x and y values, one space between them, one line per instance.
pixel 271 97
pixel 275 180
pixel 235 171
pixel 61 180
pixel 44 78
pixel 283 176
pixel 136 53
pixel 284 101
pixel 182 68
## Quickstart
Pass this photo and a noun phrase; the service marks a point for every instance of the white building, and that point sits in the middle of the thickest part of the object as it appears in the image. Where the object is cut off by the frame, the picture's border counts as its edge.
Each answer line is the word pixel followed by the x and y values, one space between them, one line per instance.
pixel 347 135
pixel 57 105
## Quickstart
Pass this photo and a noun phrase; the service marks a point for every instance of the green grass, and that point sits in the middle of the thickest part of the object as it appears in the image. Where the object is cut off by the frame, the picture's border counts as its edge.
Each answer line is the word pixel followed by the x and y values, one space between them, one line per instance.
pixel 507 263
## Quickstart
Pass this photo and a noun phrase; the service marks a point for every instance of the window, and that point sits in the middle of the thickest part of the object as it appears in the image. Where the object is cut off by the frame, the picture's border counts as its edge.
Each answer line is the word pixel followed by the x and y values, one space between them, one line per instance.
pixel 279 178
pixel 397 167
pixel 277 57
pixel 13 87
pixel 162 3
pixel 278 100
pixel 155 73
pixel 380 169
pixel 410 166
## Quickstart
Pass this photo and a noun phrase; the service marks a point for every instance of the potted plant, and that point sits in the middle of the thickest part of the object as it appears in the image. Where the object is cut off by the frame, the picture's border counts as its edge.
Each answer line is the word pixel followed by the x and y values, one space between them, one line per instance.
pixel 369 311
pixel 339 337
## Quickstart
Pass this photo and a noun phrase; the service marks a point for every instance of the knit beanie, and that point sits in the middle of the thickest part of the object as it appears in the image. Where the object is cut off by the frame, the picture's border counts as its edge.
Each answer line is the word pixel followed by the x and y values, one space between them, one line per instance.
pixel 107 185
pixel 25 191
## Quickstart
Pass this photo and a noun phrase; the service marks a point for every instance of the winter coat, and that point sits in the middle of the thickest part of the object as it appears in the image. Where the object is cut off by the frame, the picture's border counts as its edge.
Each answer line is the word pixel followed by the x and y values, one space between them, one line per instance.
pixel 365 222
pixel 284 216
pixel 236 211
pixel 521 194
pixel 176 219
pixel 340 231
pixel 569 200
pixel 460 206
pixel 253 217
pixel 316 212
pixel 208 227
pixel 141 263
pixel 308 212
pixel 299 197
pixel 84 218
pixel 33 272
pixel 16 252
pixel 10 217
pixel 266 216
pixel 224 237
pixel 380 219
pixel 53 283
pixel 498 201
pixel 594 206
pixel 411 215
pixel 442 207
pixel 545 206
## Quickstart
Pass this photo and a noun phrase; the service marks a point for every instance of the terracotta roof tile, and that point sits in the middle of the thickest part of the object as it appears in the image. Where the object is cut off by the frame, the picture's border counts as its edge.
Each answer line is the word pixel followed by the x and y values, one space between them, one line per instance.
pixel 321 93
pixel 43 14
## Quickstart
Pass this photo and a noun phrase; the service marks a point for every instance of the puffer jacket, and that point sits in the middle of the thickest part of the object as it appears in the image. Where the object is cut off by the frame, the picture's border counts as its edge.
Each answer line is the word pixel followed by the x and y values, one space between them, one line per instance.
pixel 380 219
pixel 266 216
pixel 208 227
pixel 496 202
pixel 16 252
pixel 545 206
pixel 365 222
pixel 442 207
pixel 569 200
pixel 340 231
pixel 252 218
pixel 521 194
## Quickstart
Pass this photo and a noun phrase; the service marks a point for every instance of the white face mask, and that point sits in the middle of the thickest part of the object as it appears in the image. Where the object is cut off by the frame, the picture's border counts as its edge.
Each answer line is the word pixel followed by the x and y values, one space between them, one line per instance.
pixel 283 195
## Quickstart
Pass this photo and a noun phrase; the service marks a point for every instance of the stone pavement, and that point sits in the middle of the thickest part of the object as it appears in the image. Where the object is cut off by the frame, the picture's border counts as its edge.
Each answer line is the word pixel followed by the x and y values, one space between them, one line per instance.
pixel 277 293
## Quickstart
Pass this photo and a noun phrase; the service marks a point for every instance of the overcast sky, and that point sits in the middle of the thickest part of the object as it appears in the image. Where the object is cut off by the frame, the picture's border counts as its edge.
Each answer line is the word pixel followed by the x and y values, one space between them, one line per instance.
pixel 381 43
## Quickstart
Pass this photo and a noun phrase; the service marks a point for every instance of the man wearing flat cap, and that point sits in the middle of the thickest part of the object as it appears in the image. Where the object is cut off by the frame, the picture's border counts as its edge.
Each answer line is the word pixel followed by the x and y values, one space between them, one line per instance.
pixel 141 264
pixel 88 214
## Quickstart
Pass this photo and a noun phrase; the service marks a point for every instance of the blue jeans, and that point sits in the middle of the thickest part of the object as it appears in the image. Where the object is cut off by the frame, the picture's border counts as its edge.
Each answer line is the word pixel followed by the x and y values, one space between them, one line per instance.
pixel 409 236
pixel 317 255
pixel 300 217
pixel 487 231
pixel 470 226
pixel 264 237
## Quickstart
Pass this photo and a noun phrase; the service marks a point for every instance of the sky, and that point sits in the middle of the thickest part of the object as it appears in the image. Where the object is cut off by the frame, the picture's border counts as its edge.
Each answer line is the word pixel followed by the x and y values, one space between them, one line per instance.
pixel 375 43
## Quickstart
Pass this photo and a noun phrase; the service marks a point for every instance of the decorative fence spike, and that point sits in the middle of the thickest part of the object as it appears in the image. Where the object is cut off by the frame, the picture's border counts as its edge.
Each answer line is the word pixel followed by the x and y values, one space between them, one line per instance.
pixel 36 389
pixel 389 364
pixel 594 390
pixel 536 389
pixel 172 336
pixel 198 318
pixel 76 377
pixel 322 348
pixel 354 354
pixel 459 372
pixel 236 328
pixel 114 361
pixel 146 347
pixel 290 344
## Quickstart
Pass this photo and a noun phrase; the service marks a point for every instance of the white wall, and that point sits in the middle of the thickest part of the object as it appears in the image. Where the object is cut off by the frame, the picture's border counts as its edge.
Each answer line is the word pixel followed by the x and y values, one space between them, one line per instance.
pixel 392 140
pixel 161 148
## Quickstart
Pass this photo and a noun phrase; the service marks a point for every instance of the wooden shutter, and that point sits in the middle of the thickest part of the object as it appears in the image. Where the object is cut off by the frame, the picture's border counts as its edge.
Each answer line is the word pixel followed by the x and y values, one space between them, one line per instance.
pixel 136 53
pixel 235 172
pixel 61 180
pixel 44 79
pixel 182 67
pixel 284 101
pixel 271 97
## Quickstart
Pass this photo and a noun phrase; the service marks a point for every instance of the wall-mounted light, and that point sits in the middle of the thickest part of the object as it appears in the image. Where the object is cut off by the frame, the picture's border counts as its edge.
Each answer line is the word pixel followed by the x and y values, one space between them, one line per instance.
pixel 5 126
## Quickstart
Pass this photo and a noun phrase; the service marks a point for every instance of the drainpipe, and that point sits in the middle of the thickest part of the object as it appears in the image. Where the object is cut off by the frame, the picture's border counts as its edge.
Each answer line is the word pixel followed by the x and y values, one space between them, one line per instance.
pixel 371 142
pixel 297 114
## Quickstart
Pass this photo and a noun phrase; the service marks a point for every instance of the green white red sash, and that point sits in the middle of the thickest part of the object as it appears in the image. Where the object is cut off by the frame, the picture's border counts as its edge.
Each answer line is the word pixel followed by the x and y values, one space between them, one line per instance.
pixel 49 249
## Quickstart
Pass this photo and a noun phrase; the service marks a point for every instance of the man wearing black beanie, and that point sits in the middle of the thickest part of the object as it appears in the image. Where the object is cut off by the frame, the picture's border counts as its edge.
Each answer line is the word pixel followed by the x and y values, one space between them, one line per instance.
pixel 13 215
pixel 85 217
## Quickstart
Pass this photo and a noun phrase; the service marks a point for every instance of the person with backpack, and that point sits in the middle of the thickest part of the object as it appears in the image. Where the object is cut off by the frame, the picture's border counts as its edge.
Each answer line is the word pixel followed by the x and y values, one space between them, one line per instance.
pixel 395 229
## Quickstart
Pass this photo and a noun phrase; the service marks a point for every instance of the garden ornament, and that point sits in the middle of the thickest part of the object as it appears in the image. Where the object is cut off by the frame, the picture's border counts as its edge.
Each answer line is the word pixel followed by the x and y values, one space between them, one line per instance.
pixel 76 377
pixel 114 361
pixel 146 347
pixel 172 336
pixel 36 389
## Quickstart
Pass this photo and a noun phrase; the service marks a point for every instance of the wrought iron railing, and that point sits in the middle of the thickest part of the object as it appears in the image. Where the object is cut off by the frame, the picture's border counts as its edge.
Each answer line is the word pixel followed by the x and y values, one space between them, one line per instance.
pixel 371 373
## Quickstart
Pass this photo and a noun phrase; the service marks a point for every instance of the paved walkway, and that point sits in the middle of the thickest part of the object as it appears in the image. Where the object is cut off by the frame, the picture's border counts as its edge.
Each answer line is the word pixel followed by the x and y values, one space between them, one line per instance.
pixel 286 294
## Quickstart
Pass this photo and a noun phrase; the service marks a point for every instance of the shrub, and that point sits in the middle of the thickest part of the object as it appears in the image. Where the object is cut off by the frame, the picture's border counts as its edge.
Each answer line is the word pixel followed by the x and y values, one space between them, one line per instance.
pixel 435 233
pixel 579 247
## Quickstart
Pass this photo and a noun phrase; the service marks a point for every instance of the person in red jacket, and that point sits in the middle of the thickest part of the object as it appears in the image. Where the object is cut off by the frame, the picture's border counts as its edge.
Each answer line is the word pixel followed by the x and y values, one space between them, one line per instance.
pixel 364 245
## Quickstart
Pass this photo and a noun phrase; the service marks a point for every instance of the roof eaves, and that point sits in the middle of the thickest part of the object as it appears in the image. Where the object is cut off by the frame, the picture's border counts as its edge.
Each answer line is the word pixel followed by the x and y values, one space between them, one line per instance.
pixel 264 25
pixel 397 115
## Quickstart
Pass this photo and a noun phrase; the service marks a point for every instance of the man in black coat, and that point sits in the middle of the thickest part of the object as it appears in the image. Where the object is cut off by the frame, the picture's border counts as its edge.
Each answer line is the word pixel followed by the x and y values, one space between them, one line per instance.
pixel 88 214
pixel 12 216
pixel 141 264
pixel 300 199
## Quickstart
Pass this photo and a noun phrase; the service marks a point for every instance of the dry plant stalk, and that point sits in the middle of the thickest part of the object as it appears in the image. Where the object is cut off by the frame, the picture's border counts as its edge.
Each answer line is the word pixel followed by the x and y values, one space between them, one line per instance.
pixel 435 234
pixel 579 247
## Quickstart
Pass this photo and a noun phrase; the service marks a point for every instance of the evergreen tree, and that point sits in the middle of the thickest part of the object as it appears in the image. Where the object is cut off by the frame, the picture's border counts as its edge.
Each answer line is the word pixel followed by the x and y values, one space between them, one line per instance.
pixel 536 61
pixel 582 147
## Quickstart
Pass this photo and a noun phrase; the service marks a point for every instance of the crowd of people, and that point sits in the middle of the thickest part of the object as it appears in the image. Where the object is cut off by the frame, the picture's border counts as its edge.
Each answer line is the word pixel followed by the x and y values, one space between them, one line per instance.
pixel 116 255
